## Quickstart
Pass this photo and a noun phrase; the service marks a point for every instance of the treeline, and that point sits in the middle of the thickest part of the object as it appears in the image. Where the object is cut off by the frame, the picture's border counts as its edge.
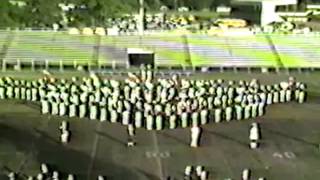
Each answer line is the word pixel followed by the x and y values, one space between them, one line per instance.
pixel 44 13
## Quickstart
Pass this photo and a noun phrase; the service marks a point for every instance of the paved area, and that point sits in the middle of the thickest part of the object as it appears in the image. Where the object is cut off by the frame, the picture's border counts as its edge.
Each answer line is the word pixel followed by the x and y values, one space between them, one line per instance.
pixel 289 151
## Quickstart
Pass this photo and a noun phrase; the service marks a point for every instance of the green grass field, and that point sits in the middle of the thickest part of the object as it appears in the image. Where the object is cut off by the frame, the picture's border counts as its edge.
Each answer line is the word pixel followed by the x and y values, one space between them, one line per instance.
pixel 289 148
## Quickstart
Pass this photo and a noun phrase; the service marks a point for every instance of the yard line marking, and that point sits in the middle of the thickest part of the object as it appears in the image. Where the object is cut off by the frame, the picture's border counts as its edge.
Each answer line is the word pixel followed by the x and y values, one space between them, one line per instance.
pixel 94 151
pixel 158 159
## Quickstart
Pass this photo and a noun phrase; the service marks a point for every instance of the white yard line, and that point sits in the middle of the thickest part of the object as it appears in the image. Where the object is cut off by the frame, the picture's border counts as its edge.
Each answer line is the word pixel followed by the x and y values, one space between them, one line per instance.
pixel 94 150
pixel 158 159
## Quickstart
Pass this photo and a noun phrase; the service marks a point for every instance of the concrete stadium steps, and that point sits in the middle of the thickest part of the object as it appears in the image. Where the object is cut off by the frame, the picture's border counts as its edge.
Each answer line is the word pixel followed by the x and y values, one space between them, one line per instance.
pixel 167 54
pixel 301 51
pixel 3 42
pixel 3 37
pixel 292 50
pixel 44 46
pixel 228 51
pixel 114 54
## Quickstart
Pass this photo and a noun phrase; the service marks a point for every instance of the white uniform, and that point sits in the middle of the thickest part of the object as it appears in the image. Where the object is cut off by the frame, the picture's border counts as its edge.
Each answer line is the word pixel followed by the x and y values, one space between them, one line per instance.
pixel 2 93
pixel 230 93
pixel 65 136
pixel 188 171
pixel 217 115
pixel 34 93
pixel 254 136
pixel 204 116
pixel 172 121
pixel 114 116
pixel 245 174
pixel 247 111
pixel 127 105
pixel 10 92
pixel 296 94
pixel 100 177
pixel 131 130
pixel 195 136
pixel 138 119
pixel 149 122
pixel 263 97
pixel 16 92
pixel 93 112
pixel 195 118
pixel 40 176
pixel 288 95
pixel 82 110
pixel 239 112
pixel 158 109
pixel 120 106
pixel 44 106
pixel 72 110
pixel 103 113
pixel 55 175
pixel 184 119
pixel 125 118
pixel 168 110
pixel 261 108
pixel 12 176
pixel 63 126
pixel 204 175
pixel 71 177
pixel 269 98
pixel 217 101
pixel 275 97
pixel 224 100
pixel 159 122
pixel 54 108
pixel 62 109
pixel 228 113
pixel 282 95
pixel 44 169
pixel 210 102
pixel 302 97
pixel 23 93
pixel 254 110
pixel 219 91
pixel 199 170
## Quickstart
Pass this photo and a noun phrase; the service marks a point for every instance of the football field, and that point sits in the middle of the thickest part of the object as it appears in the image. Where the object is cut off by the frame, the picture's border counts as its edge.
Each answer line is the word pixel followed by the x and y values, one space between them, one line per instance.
pixel 290 141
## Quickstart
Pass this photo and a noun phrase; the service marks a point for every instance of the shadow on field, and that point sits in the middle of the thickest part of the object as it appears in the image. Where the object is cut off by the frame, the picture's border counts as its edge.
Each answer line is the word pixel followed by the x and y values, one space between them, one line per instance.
pixel 64 159
pixel 167 135
pixel 290 137
pixel 225 137
pixel 102 134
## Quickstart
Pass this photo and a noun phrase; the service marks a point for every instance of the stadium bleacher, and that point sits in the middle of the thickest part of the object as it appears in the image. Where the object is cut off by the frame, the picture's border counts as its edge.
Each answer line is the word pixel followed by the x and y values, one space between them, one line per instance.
pixel 211 51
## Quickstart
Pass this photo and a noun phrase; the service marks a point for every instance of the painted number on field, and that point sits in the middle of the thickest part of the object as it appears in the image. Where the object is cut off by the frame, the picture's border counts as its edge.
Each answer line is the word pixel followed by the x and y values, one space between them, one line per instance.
pixel 287 155
pixel 150 154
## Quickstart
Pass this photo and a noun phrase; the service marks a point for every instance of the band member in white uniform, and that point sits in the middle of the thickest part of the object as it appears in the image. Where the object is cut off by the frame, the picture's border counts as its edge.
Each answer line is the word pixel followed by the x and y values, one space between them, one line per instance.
pixel 254 136
pixel 195 136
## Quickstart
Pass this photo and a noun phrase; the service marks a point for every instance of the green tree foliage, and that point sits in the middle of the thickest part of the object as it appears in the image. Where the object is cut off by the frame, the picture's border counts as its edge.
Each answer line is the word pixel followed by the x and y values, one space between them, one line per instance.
pixel 43 13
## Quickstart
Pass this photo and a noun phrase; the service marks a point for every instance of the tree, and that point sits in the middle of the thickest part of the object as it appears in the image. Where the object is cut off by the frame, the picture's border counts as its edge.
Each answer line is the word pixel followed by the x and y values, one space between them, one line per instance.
pixel 42 13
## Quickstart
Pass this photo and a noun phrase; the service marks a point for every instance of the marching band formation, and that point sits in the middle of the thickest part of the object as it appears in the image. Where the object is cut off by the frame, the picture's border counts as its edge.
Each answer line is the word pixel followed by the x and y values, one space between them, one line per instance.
pixel 143 101
pixel 48 174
